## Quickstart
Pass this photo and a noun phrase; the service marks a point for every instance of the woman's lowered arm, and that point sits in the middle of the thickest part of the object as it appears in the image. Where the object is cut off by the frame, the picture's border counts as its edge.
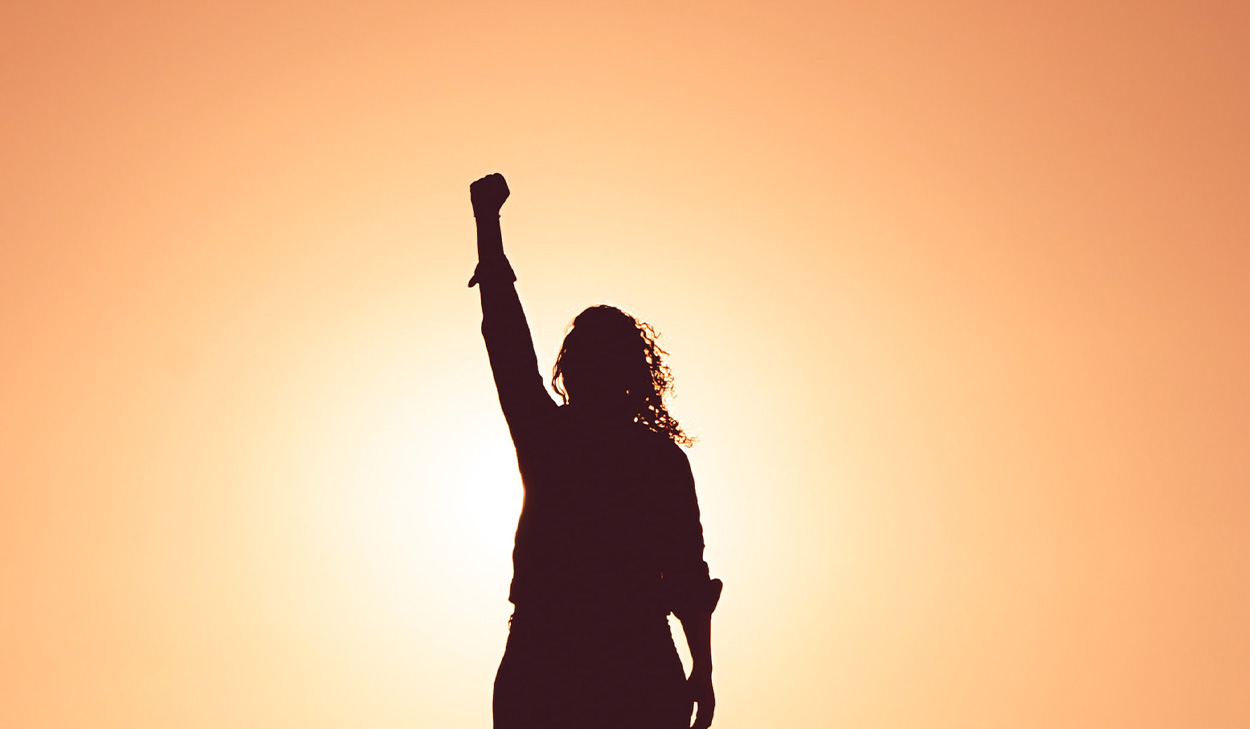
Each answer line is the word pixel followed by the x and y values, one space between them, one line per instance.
pixel 508 341
pixel 692 591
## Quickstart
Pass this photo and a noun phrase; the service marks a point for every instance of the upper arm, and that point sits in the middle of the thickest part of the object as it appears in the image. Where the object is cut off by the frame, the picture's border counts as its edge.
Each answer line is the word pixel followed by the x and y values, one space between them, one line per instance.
pixel 522 394
pixel 682 526
pixel 688 580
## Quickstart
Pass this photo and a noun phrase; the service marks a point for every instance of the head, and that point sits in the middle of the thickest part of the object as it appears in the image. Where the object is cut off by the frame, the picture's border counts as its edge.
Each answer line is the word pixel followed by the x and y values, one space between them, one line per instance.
pixel 610 363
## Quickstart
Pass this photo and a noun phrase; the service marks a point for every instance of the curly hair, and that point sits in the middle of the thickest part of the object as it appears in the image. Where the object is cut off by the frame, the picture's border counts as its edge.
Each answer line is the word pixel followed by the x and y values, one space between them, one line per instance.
pixel 608 345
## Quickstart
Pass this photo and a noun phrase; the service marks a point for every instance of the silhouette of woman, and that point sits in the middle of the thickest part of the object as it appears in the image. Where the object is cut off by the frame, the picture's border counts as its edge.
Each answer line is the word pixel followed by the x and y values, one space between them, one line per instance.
pixel 609 540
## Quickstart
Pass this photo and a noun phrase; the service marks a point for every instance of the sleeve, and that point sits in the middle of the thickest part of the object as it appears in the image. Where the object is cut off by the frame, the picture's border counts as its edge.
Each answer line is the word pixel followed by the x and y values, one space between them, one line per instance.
pixel 510 347
pixel 688 586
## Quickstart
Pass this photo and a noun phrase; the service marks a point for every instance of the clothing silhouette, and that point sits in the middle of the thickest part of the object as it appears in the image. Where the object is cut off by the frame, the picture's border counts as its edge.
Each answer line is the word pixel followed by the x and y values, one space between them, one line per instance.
pixel 609 540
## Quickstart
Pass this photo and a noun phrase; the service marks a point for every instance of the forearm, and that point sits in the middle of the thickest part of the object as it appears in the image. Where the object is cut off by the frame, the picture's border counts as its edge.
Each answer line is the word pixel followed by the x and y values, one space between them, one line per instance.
pixel 501 308
pixel 489 238
pixel 698 630
pixel 507 334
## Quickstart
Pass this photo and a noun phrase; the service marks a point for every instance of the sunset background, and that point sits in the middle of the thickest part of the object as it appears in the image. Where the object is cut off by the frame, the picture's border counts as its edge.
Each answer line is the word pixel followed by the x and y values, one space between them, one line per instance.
pixel 957 296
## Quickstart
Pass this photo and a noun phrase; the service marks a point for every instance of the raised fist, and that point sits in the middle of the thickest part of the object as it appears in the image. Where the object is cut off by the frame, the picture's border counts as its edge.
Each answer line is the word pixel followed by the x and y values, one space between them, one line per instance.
pixel 488 194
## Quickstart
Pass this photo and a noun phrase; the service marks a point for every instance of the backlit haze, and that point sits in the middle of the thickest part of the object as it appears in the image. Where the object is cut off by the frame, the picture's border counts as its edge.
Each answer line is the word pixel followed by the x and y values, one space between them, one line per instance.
pixel 956 295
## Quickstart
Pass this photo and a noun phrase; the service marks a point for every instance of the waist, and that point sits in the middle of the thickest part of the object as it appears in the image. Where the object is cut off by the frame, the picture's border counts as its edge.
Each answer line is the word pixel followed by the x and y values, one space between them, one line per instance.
pixel 549 610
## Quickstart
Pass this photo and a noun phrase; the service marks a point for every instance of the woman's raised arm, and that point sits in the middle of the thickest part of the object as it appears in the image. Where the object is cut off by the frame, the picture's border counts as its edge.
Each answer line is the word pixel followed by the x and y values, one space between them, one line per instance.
pixel 509 345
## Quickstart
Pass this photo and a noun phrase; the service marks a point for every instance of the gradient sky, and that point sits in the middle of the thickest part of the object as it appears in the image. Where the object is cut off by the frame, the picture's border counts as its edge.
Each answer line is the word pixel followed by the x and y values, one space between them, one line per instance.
pixel 956 296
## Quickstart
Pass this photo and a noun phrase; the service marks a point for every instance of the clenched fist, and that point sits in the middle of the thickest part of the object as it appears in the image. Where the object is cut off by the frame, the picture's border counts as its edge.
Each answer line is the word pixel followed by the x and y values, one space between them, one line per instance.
pixel 488 195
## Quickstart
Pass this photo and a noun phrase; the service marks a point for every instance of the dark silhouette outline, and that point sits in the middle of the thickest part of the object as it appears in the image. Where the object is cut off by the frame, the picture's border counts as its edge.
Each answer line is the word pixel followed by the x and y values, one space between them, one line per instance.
pixel 609 539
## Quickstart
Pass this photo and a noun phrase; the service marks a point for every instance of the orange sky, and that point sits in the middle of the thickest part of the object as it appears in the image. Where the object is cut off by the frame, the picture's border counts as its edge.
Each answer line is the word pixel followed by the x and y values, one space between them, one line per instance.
pixel 956 295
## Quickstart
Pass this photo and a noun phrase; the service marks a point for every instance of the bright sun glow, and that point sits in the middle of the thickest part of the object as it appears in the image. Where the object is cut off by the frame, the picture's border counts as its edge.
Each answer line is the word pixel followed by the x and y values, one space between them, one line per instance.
pixel 421 493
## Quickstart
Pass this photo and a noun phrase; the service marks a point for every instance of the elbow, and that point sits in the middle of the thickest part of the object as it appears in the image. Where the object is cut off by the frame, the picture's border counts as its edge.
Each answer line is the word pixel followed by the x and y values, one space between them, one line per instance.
pixel 694 601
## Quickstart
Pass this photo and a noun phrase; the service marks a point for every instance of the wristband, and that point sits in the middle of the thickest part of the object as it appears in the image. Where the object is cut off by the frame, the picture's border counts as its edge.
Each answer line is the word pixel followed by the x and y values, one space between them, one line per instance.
pixel 492 272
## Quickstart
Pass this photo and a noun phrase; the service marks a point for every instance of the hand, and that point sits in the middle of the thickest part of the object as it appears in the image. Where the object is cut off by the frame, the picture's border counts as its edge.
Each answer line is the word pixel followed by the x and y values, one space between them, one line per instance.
pixel 700 686
pixel 488 195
